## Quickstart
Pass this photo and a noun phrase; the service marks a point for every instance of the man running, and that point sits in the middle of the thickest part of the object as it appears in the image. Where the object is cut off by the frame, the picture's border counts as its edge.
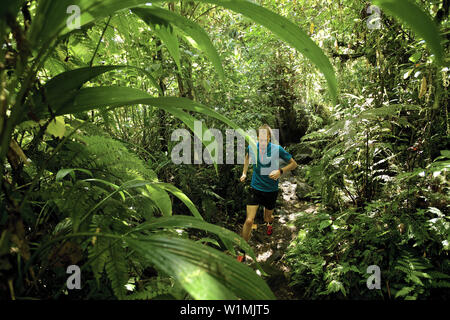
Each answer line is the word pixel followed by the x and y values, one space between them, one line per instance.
pixel 264 185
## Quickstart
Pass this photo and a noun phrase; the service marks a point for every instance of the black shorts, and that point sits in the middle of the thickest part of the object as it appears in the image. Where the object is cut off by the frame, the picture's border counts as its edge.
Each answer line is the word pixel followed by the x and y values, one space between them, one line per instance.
pixel 266 199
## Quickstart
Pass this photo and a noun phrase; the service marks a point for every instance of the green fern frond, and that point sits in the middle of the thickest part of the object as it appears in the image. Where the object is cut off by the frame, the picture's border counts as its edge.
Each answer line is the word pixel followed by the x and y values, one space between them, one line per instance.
pixel 440 284
pixel 98 256
pixel 116 269
pixel 438 275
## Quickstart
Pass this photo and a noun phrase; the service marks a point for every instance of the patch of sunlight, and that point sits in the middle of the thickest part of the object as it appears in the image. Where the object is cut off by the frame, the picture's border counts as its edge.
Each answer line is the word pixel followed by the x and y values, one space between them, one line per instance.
pixel 264 256
pixel 130 287
pixel 189 278
pixel 437 173
pixel 291 226
pixel 285 269
pixel 118 39
pixel 200 284
pixel 310 210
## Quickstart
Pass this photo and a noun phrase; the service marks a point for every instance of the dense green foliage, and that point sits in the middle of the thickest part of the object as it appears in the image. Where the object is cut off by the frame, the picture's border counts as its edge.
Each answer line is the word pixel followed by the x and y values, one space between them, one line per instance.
pixel 86 117
pixel 380 170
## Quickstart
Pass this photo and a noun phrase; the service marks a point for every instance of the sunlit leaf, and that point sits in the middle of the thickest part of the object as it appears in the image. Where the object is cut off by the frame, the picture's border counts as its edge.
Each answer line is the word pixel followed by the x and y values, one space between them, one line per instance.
pixel 185 25
pixel 57 127
pixel 204 272
pixel 61 89
pixel 191 222
pixel 64 172
pixel 163 29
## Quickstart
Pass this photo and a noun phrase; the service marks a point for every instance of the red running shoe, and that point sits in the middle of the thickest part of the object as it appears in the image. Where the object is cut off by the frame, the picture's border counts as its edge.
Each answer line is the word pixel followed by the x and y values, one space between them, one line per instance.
pixel 269 229
pixel 240 258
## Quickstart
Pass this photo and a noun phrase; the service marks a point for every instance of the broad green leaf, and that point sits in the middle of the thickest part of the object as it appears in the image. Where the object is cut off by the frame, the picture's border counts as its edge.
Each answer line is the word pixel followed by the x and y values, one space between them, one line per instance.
pixel 198 282
pixel 186 104
pixel 71 80
pixel 164 30
pixel 180 195
pixel 156 194
pixel 325 224
pixel 445 153
pixel 190 123
pixel 384 111
pixel 112 185
pixel 209 240
pixel 415 57
pixel 10 8
pixel 404 291
pixel 182 221
pixel 415 279
pixel 61 89
pixel 52 18
pixel 98 97
pixel 419 21
pixel 57 127
pixel 160 198
pixel 64 172
pixel 204 272
pixel 188 27
pixel 49 20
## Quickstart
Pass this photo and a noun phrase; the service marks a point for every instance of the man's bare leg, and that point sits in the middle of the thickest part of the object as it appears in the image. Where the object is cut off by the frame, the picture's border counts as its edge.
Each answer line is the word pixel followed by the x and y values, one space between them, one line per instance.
pixel 268 217
pixel 247 228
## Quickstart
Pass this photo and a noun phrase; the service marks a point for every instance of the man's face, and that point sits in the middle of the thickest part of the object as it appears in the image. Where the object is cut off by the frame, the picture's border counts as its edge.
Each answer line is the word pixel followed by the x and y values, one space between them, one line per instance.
pixel 263 138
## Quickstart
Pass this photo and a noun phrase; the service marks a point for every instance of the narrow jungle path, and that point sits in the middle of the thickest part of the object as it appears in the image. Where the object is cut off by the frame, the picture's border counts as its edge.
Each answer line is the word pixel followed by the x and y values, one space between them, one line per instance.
pixel 271 250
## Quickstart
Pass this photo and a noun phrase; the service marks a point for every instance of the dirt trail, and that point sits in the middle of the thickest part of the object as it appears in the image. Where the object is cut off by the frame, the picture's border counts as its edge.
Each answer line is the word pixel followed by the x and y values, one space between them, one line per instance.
pixel 271 250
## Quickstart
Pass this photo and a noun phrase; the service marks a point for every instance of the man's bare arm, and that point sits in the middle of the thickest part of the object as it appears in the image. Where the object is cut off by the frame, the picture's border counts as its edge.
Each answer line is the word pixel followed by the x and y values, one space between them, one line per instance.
pixel 291 165
pixel 275 174
pixel 244 172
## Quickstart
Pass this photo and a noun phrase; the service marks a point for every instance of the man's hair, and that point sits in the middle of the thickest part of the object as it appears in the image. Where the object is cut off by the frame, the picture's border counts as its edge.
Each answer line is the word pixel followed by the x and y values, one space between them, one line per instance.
pixel 267 128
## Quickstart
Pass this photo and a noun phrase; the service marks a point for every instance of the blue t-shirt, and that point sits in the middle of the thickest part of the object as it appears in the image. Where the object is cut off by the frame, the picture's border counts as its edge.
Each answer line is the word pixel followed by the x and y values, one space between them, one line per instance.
pixel 267 161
